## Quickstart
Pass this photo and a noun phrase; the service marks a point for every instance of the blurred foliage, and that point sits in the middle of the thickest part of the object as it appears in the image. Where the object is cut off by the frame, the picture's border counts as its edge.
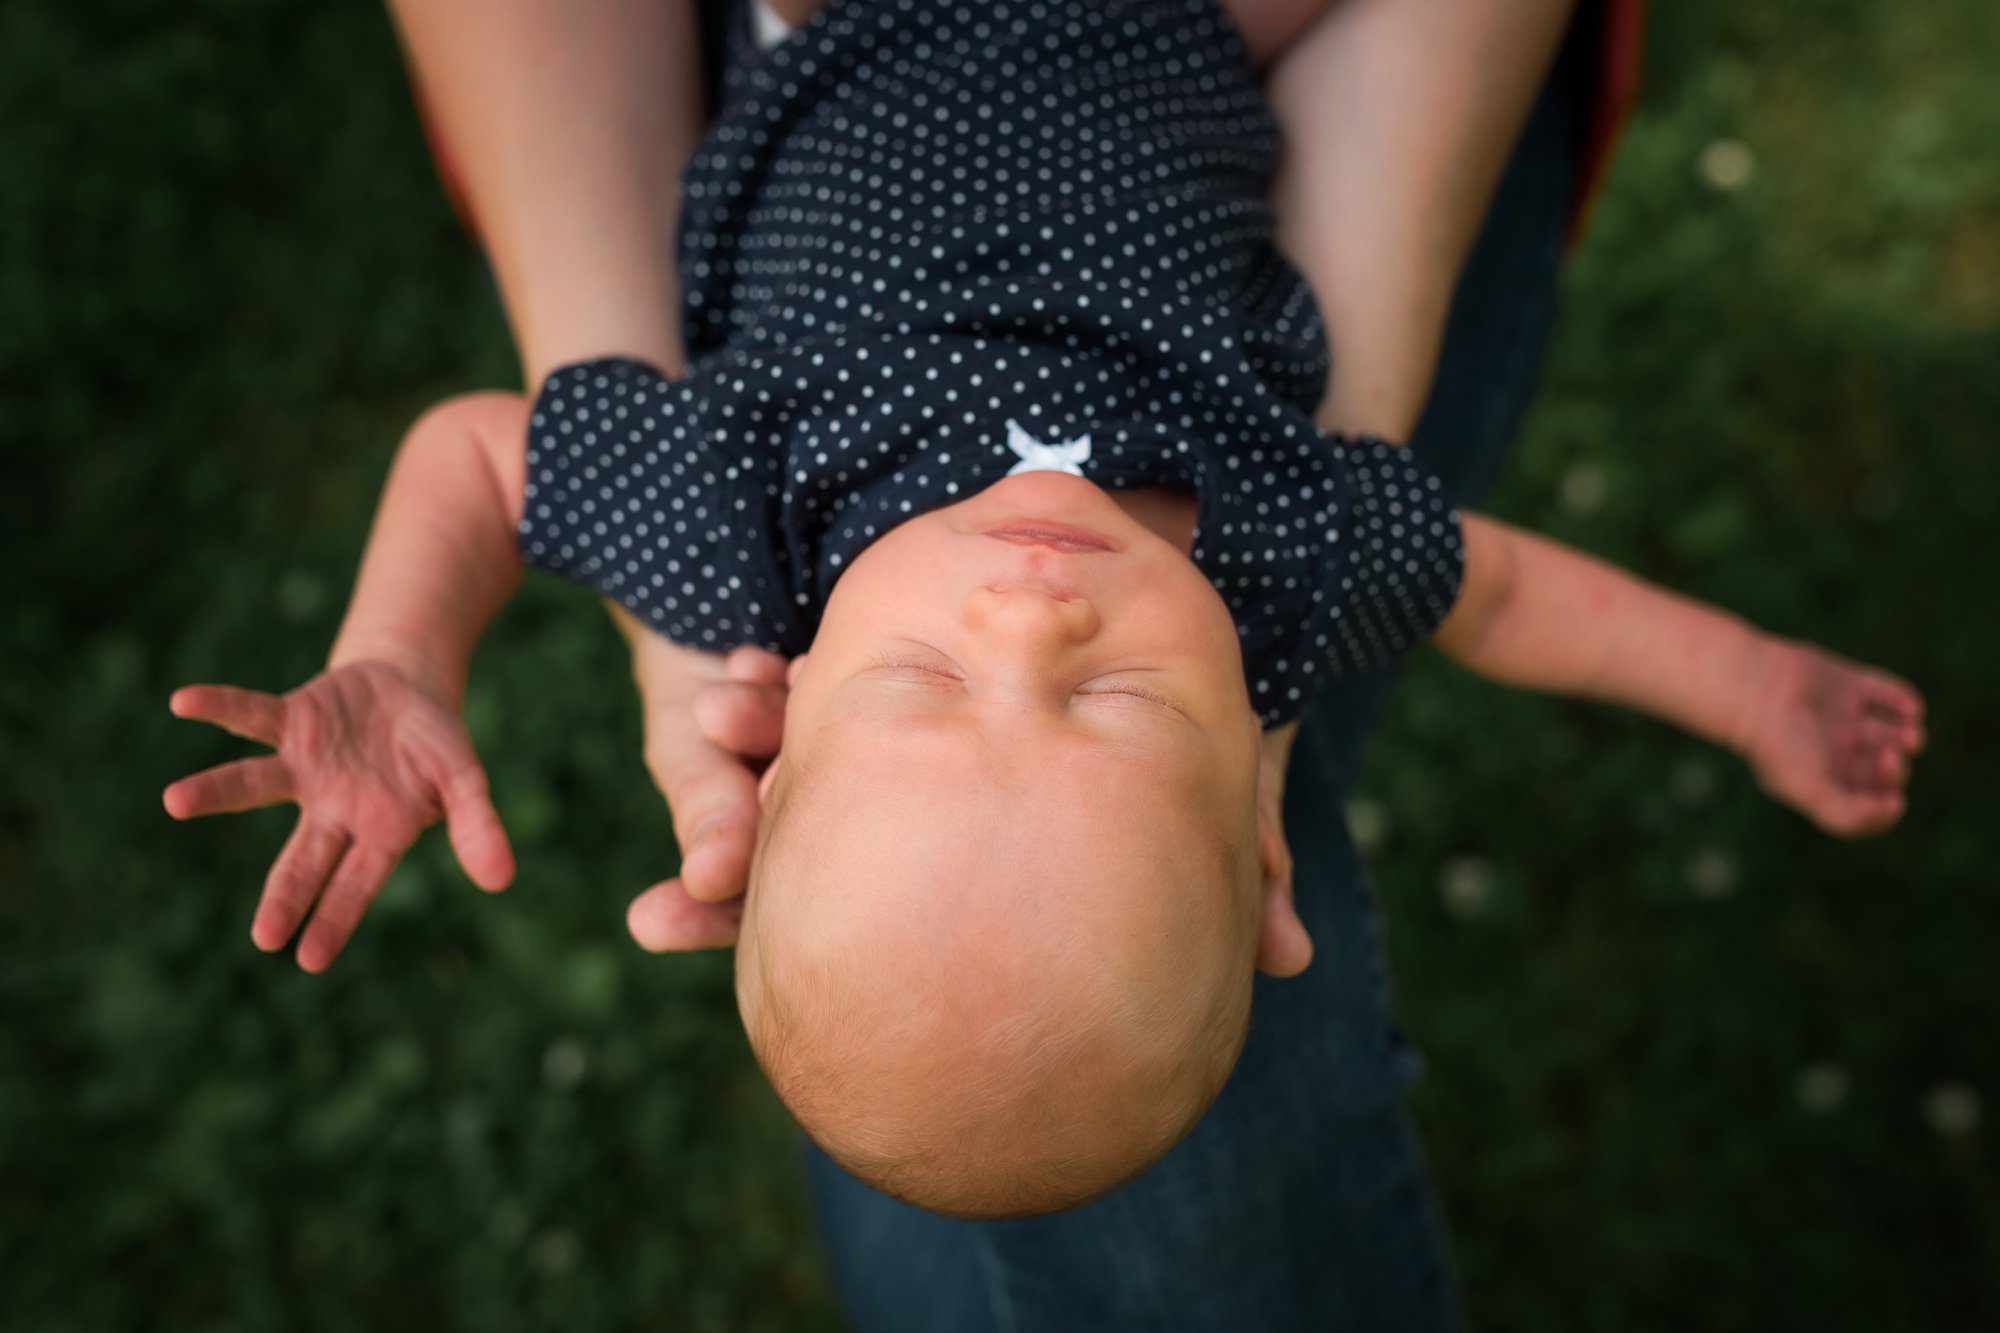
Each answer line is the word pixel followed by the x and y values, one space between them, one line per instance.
pixel 1692 1066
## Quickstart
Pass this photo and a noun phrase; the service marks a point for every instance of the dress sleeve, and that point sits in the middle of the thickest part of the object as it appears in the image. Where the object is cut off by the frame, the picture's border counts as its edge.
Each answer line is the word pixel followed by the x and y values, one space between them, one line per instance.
pixel 1396 561
pixel 626 495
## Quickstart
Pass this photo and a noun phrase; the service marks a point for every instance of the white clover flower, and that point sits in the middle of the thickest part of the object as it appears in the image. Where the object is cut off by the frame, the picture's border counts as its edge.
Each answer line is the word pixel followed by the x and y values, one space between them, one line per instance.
pixel 1952 1108
pixel 1368 821
pixel 557 1250
pixel 1692 782
pixel 1582 489
pixel 1712 873
pixel 1726 165
pixel 1821 1087
pixel 1465 883
pixel 300 595
pixel 565 1063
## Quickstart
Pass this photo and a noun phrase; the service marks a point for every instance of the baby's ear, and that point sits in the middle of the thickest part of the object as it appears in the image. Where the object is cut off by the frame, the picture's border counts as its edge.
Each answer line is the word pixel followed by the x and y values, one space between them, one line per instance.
pixel 1283 947
pixel 793 668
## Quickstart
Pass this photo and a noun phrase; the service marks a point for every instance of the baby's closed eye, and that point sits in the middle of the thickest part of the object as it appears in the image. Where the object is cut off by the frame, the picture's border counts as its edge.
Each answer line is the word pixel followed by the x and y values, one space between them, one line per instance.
pixel 1123 686
pixel 913 668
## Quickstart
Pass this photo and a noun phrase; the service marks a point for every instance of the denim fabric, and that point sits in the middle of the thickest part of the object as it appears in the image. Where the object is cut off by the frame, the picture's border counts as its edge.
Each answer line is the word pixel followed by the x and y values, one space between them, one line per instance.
pixel 1303 1199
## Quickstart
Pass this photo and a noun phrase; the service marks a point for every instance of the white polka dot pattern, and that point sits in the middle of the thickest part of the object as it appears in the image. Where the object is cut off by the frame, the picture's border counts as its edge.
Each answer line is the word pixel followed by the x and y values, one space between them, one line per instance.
pixel 916 221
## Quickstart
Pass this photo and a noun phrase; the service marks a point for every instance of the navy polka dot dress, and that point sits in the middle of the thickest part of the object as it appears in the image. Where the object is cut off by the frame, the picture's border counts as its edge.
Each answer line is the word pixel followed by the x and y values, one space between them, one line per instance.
pixel 927 244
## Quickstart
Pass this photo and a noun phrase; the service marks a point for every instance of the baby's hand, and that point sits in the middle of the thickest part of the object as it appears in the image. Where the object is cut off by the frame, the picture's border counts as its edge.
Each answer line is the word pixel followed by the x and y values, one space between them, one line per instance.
pixel 1833 739
pixel 372 761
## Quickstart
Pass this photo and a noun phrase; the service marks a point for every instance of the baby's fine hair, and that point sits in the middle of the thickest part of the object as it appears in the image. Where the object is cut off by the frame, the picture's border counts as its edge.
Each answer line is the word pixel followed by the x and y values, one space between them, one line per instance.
pixel 1043 1107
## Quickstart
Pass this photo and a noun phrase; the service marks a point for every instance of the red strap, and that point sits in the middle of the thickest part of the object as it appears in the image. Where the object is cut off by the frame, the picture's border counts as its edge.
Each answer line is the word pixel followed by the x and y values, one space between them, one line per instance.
pixel 1621 34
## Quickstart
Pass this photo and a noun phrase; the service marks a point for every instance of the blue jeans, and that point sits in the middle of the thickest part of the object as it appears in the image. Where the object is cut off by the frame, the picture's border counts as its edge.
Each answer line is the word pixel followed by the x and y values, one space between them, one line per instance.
pixel 1302 1200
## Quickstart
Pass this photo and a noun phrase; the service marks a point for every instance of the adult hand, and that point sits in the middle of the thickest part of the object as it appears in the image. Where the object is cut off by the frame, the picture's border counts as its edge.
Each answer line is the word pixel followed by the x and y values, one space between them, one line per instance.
pixel 711 723
pixel 1283 947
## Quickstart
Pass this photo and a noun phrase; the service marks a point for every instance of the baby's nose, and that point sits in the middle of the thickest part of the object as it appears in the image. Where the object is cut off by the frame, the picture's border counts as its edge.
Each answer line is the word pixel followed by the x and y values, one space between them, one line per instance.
pixel 1024 612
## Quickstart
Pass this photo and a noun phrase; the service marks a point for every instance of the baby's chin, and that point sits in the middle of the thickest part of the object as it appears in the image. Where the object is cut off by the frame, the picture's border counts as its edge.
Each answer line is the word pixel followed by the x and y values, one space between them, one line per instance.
pixel 1059 497
pixel 1049 490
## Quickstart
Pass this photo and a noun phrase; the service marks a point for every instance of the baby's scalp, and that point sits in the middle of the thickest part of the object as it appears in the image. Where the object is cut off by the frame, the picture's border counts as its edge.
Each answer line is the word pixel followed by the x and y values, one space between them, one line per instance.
pixel 997 948
pixel 999 1002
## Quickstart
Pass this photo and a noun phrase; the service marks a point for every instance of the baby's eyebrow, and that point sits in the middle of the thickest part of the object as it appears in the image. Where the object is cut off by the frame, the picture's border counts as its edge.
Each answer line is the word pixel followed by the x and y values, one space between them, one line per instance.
pixel 932 682
pixel 1141 734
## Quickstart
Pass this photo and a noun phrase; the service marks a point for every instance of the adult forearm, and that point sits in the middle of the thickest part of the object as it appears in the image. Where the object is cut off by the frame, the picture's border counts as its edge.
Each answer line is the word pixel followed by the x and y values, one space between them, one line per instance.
pixel 569 122
pixel 1542 616
pixel 1399 116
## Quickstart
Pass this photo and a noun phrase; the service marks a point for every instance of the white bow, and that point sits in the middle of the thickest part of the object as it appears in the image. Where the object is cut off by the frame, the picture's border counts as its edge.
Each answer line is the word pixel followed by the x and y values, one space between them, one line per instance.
pixel 1069 456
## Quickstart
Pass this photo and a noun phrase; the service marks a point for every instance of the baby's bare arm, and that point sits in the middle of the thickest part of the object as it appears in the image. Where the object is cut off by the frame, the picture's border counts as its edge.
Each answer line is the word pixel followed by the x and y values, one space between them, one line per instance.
pixel 441 558
pixel 1539 615
pixel 1829 737
pixel 372 750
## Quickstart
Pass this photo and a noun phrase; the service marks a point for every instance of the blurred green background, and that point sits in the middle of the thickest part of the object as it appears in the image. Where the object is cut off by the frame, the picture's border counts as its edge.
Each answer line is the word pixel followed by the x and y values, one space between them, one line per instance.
pixel 1692 1067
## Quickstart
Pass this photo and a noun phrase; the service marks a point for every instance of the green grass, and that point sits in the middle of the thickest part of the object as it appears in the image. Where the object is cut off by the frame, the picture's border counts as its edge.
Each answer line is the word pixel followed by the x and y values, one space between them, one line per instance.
pixel 1687 1058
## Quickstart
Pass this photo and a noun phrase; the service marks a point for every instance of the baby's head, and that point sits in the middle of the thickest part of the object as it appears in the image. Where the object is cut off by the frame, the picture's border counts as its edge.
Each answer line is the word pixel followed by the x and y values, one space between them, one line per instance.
pixel 1010 887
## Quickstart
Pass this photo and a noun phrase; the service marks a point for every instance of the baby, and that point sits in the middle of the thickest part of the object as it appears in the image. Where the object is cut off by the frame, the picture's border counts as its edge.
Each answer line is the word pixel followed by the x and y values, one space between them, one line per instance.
pixel 999 425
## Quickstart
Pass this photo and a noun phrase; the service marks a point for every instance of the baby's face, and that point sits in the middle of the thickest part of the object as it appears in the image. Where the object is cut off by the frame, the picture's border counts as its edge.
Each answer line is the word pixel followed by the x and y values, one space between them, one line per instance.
pixel 1011 845
pixel 1031 654
pixel 1038 617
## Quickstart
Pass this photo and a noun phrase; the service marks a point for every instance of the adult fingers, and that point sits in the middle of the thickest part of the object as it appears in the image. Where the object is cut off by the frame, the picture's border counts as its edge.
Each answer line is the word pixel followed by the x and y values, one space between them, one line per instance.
pixel 250 714
pixel 755 666
pixel 742 717
pixel 354 885
pixel 295 879
pixel 665 919
pixel 1274 847
pixel 712 796
pixel 242 784
pixel 1284 948
pixel 717 867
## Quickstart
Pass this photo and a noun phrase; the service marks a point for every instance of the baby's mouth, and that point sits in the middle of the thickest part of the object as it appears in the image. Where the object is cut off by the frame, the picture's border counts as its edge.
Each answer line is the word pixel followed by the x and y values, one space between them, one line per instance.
pixel 1056 536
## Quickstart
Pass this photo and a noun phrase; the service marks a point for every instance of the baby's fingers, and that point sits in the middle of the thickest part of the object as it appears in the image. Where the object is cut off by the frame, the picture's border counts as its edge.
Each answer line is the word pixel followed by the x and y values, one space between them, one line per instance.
pixel 1899 714
pixel 1860 814
pixel 295 879
pixel 355 884
pixel 243 784
pixel 1892 697
pixel 251 714
pixel 476 835
pixel 1878 759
